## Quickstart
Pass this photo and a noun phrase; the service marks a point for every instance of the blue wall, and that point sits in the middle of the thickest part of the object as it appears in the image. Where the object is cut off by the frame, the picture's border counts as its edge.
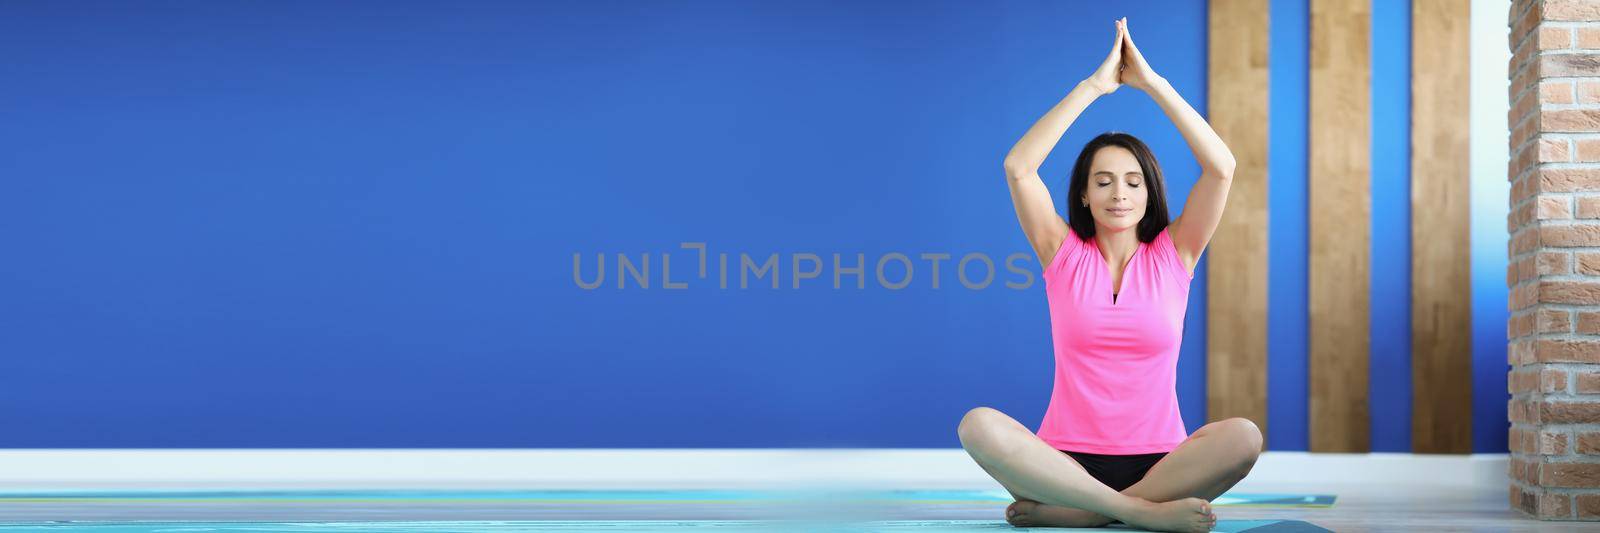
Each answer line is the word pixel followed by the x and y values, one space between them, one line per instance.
pixel 354 224
pixel 1389 369
pixel 1288 227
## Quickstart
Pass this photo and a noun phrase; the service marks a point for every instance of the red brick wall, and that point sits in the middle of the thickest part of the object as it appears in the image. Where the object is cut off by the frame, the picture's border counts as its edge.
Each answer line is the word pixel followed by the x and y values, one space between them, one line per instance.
pixel 1554 271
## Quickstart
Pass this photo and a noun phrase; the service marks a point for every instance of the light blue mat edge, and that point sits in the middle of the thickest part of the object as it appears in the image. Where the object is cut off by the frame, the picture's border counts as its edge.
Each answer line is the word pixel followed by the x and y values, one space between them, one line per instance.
pixel 699 496
pixel 1223 526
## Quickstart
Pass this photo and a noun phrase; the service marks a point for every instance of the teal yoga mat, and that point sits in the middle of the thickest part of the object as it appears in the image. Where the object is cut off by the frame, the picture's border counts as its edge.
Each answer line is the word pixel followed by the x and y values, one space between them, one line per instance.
pixel 766 511
pixel 581 526
pixel 591 497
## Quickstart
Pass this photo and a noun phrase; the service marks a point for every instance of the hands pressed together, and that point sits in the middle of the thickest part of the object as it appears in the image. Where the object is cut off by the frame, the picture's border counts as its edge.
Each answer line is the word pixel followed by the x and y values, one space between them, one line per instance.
pixel 1124 65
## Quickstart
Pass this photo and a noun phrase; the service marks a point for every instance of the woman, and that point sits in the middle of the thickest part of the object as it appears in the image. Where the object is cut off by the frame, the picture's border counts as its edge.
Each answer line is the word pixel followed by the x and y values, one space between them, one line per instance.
pixel 1112 446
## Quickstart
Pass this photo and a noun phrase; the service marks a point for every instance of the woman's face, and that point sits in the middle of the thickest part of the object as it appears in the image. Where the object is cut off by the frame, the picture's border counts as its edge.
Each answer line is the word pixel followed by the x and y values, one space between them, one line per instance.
pixel 1116 189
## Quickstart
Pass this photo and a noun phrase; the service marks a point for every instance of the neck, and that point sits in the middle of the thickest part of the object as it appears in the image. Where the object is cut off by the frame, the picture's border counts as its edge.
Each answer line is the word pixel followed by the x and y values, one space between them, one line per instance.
pixel 1117 244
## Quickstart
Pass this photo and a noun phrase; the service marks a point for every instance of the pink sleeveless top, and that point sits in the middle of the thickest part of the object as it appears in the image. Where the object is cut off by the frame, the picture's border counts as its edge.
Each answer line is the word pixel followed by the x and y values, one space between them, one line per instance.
pixel 1116 362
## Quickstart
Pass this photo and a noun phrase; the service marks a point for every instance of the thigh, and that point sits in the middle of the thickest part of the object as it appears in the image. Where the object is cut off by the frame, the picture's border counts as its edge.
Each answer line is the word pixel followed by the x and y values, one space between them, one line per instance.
pixel 1204 466
pixel 1013 429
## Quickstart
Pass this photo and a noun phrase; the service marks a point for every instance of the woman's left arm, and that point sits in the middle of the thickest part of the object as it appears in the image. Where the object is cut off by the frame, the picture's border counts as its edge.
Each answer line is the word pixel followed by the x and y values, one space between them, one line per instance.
pixel 1192 231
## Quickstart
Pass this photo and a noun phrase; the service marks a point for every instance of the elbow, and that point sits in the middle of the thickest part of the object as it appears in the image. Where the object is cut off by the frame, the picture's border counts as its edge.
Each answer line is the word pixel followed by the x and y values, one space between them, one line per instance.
pixel 1226 172
pixel 1017 169
pixel 1224 169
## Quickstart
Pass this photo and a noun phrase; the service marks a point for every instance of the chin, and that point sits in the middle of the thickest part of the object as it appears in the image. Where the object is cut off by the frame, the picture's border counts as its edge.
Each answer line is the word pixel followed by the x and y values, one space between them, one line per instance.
pixel 1120 225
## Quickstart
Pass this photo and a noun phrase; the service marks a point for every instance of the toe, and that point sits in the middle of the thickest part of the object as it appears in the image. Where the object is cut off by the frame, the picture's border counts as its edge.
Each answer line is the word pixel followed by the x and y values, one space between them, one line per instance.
pixel 1017 512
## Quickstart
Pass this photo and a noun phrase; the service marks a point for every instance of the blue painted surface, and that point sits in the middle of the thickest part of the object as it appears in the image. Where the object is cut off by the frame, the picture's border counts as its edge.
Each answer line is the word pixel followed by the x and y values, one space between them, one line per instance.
pixel 1288 317
pixel 1389 371
pixel 353 225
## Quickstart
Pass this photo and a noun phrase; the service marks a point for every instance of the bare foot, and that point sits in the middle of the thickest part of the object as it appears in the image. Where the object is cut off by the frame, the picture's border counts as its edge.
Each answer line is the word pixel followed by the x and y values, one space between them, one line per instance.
pixel 1185 515
pixel 1025 513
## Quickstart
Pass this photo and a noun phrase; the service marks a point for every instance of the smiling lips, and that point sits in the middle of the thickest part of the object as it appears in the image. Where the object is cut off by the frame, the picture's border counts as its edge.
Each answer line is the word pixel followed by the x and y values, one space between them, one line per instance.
pixel 1120 212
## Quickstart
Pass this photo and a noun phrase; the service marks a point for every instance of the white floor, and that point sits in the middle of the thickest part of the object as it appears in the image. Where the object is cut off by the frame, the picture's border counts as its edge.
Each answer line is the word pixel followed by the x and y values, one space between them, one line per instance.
pixel 653 468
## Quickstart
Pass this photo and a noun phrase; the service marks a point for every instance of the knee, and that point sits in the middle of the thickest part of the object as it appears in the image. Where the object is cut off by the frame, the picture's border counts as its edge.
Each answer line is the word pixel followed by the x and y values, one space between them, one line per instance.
pixel 979 427
pixel 1245 436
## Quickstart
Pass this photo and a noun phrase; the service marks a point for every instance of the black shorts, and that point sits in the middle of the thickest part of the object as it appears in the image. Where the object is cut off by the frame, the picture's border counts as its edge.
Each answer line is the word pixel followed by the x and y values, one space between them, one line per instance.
pixel 1116 471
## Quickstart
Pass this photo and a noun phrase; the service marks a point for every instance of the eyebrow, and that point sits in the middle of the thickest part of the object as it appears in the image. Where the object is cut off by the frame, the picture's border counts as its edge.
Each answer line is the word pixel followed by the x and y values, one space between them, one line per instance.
pixel 1114 174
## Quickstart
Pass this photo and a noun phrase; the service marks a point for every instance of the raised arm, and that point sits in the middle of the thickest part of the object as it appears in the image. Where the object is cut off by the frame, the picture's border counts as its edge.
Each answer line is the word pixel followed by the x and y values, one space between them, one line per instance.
pixel 1036 211
pixel 1192 231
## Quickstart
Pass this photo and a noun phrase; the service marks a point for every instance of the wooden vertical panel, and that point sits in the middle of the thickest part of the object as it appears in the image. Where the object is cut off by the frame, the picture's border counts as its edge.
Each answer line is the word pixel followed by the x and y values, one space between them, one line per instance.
pixel 1441 285
pixel 1236 340
pixel 1340 195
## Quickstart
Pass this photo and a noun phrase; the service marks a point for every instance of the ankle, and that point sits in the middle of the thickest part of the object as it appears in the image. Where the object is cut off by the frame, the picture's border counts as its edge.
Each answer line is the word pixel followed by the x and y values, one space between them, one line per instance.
pixel 1129 507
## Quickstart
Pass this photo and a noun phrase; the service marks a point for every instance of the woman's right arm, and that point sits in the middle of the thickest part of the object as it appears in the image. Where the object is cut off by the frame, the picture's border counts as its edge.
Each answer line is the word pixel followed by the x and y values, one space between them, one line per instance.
pixel 1036 211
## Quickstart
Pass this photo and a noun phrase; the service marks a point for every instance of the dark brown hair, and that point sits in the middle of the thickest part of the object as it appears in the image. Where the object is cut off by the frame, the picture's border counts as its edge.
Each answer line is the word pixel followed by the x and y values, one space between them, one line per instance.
pixel 1155 213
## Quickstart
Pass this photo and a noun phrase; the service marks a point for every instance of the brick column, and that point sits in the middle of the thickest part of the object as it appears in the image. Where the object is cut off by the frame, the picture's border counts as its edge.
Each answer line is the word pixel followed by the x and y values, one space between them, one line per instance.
pixel 1554 272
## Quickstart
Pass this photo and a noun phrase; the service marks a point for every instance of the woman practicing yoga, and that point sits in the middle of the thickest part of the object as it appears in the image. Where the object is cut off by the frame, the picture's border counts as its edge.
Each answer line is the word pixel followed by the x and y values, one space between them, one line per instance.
pixel 1112 446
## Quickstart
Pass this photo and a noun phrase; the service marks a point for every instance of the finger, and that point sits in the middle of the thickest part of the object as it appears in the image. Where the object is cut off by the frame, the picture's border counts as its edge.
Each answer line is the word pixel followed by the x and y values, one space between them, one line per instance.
pixel 1116 43
pixel 1115 55
pixel 1127 39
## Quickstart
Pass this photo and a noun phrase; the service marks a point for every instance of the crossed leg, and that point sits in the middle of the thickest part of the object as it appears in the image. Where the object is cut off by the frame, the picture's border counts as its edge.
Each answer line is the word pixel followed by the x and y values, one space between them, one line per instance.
pixel 1205 465
pixel 1212 460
